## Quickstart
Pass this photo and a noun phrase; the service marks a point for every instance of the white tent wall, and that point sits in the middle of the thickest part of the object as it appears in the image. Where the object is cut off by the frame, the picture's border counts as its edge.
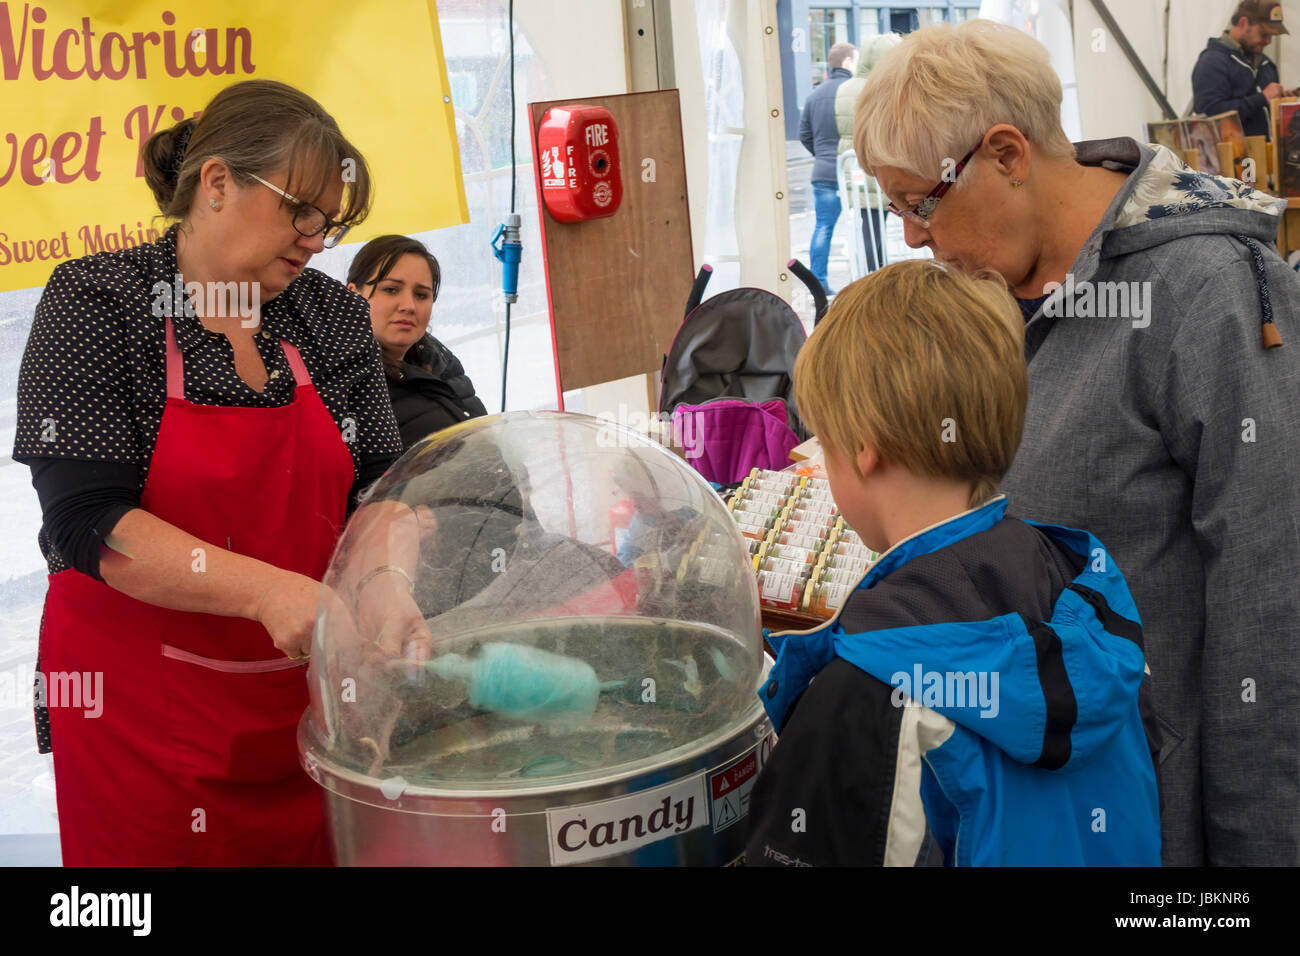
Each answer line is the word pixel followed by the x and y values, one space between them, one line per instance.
pixel 1286 50
pixel 1168 36
pixel 583 47
pixel 727 67
pixel 1112 99
pixel 581 44
pixel 688 75
pixel 1048 21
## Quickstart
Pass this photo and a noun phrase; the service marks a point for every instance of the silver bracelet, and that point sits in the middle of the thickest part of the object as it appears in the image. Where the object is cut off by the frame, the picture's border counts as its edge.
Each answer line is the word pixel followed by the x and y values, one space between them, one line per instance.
pixel 380 570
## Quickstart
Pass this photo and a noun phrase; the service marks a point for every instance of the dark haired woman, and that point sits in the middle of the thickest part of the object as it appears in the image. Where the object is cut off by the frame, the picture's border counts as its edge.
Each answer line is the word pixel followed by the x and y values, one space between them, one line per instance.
pixel 430 391
pixel 426 382
pixel 195 458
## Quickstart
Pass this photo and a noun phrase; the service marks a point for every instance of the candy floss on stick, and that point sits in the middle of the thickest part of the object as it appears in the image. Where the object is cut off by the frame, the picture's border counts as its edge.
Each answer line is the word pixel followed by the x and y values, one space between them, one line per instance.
pixel 525 683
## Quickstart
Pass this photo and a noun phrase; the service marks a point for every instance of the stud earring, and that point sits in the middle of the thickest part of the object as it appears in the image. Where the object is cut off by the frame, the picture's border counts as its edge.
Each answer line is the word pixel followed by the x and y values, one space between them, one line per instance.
pixel 214 204
pixel 1016 183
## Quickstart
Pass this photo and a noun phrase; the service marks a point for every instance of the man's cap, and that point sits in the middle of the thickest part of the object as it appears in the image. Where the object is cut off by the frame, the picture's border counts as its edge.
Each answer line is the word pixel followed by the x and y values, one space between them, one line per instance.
pixel 1267 13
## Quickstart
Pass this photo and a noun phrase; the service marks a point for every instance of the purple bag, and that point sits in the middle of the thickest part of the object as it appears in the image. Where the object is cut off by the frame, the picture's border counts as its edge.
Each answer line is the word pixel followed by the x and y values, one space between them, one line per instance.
pixel 725 438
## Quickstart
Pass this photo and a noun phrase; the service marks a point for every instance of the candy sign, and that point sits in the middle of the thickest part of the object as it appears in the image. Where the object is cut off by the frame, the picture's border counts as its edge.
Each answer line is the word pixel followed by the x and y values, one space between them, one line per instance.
pixel 613 827
pixel 85 83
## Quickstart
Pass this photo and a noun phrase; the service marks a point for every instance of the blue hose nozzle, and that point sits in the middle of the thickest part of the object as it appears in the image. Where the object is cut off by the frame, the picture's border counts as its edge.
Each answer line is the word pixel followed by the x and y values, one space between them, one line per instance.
pixel 508 250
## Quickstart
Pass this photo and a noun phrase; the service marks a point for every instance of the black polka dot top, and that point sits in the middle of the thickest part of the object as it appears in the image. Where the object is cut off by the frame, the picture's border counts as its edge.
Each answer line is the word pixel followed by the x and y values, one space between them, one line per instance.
pixel 93 381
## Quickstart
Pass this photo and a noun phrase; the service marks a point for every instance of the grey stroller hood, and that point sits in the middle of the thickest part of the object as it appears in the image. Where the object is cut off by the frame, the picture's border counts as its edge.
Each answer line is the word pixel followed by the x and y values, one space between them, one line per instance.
pixel 741 343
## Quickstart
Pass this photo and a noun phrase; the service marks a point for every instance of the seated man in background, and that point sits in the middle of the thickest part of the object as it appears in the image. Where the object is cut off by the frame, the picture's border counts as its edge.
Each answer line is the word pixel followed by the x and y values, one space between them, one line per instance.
pixel 976 698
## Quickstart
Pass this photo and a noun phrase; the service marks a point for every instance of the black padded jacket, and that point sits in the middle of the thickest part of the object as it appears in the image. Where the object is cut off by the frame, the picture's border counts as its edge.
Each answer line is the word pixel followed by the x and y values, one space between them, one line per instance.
pixel 1225 79
pixel 432 393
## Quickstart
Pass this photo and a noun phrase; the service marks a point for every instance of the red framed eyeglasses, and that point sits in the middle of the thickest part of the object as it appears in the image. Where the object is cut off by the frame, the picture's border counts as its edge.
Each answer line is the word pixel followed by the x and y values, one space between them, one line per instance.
pixel 922 211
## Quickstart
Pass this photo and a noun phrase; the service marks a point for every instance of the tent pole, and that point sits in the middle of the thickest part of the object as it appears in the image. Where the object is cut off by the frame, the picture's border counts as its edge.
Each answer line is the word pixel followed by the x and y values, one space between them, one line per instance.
pixel 1122 40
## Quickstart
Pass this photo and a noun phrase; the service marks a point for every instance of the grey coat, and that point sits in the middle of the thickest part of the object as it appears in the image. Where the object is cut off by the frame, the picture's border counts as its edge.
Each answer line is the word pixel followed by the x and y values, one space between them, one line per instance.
pixel 1172 434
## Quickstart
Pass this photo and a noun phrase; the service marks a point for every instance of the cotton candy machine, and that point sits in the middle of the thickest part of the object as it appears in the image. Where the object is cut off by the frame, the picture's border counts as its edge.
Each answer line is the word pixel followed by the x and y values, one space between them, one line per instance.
pixel 572 677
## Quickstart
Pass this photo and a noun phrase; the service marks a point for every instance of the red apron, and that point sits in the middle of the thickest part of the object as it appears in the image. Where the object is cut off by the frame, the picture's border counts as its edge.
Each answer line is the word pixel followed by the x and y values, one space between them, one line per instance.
pixel 192 758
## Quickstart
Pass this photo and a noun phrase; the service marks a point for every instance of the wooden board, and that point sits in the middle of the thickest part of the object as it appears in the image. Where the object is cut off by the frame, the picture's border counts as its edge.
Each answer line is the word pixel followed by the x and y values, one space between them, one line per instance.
pixel 617 287
pixel 776 620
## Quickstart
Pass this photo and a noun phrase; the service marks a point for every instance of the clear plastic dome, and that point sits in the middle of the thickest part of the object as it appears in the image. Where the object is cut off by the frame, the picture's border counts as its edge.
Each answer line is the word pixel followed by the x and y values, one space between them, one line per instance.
pixel 585 603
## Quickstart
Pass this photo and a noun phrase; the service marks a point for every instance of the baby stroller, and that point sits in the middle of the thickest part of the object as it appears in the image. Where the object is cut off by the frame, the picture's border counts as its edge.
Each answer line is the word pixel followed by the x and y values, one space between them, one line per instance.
pixel 727 378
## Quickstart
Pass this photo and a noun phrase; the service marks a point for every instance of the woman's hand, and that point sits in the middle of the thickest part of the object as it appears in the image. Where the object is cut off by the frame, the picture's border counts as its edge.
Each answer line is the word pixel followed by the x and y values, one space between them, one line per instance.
pixel 428 523
pixel 389 619
pixel 287 609
pixel 384 539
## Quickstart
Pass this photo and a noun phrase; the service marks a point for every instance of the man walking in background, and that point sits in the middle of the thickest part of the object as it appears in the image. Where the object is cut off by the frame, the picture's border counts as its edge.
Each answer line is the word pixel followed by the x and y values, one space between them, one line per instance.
pixel 1233 73
pixel 821 137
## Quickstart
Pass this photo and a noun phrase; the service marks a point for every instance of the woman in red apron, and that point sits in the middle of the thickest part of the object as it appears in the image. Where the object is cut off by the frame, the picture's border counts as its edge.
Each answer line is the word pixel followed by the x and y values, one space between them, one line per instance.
pixel 195 620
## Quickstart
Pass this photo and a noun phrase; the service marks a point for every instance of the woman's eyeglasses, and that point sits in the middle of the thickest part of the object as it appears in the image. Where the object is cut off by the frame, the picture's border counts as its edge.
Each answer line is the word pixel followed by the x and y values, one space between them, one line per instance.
pixel 922 211
pixel 310 220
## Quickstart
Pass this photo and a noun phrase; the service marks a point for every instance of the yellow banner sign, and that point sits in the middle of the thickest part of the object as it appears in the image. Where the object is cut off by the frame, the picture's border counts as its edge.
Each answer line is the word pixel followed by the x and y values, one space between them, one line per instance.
pixel 84 84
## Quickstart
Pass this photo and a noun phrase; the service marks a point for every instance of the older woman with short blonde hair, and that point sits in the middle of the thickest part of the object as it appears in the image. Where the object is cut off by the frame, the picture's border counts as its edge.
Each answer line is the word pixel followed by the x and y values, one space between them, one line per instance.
pixel 1160 411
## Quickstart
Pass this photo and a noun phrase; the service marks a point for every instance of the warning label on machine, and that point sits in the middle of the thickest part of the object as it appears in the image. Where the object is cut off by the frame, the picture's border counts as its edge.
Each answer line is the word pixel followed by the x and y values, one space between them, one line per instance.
pixel 729 787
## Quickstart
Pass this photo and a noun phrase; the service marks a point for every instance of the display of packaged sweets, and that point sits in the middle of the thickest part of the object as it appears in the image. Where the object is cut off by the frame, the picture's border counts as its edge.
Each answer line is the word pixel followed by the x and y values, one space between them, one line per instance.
pixel 817 529
pixel 805 558
pixel 850 536
pixel 747 518
pixel 757 507
pixel 824 599
pixel 799 569
pixel 779 590
pixel 815 507
pixel 772 482
pixel 753 525
pixel 822 510
pixel 816 494
pixel 765 498
pixel 800 514
pixel 844 549
pixel 770 508
pixel 710 570
pixel 724 550
pixel 790 553
pixel 839 562
pixel 839 575
pixel 809 541
pixel 748 491
pixel 819 498
pixel 767 474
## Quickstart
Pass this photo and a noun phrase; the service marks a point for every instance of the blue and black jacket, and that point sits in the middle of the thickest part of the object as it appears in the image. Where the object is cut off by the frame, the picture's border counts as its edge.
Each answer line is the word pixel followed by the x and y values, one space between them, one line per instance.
pixel 1225 78
pixel 976 702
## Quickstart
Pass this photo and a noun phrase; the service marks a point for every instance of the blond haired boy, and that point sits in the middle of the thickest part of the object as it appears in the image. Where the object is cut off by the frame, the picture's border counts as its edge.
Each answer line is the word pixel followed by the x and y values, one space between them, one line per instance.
pixel 976 697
